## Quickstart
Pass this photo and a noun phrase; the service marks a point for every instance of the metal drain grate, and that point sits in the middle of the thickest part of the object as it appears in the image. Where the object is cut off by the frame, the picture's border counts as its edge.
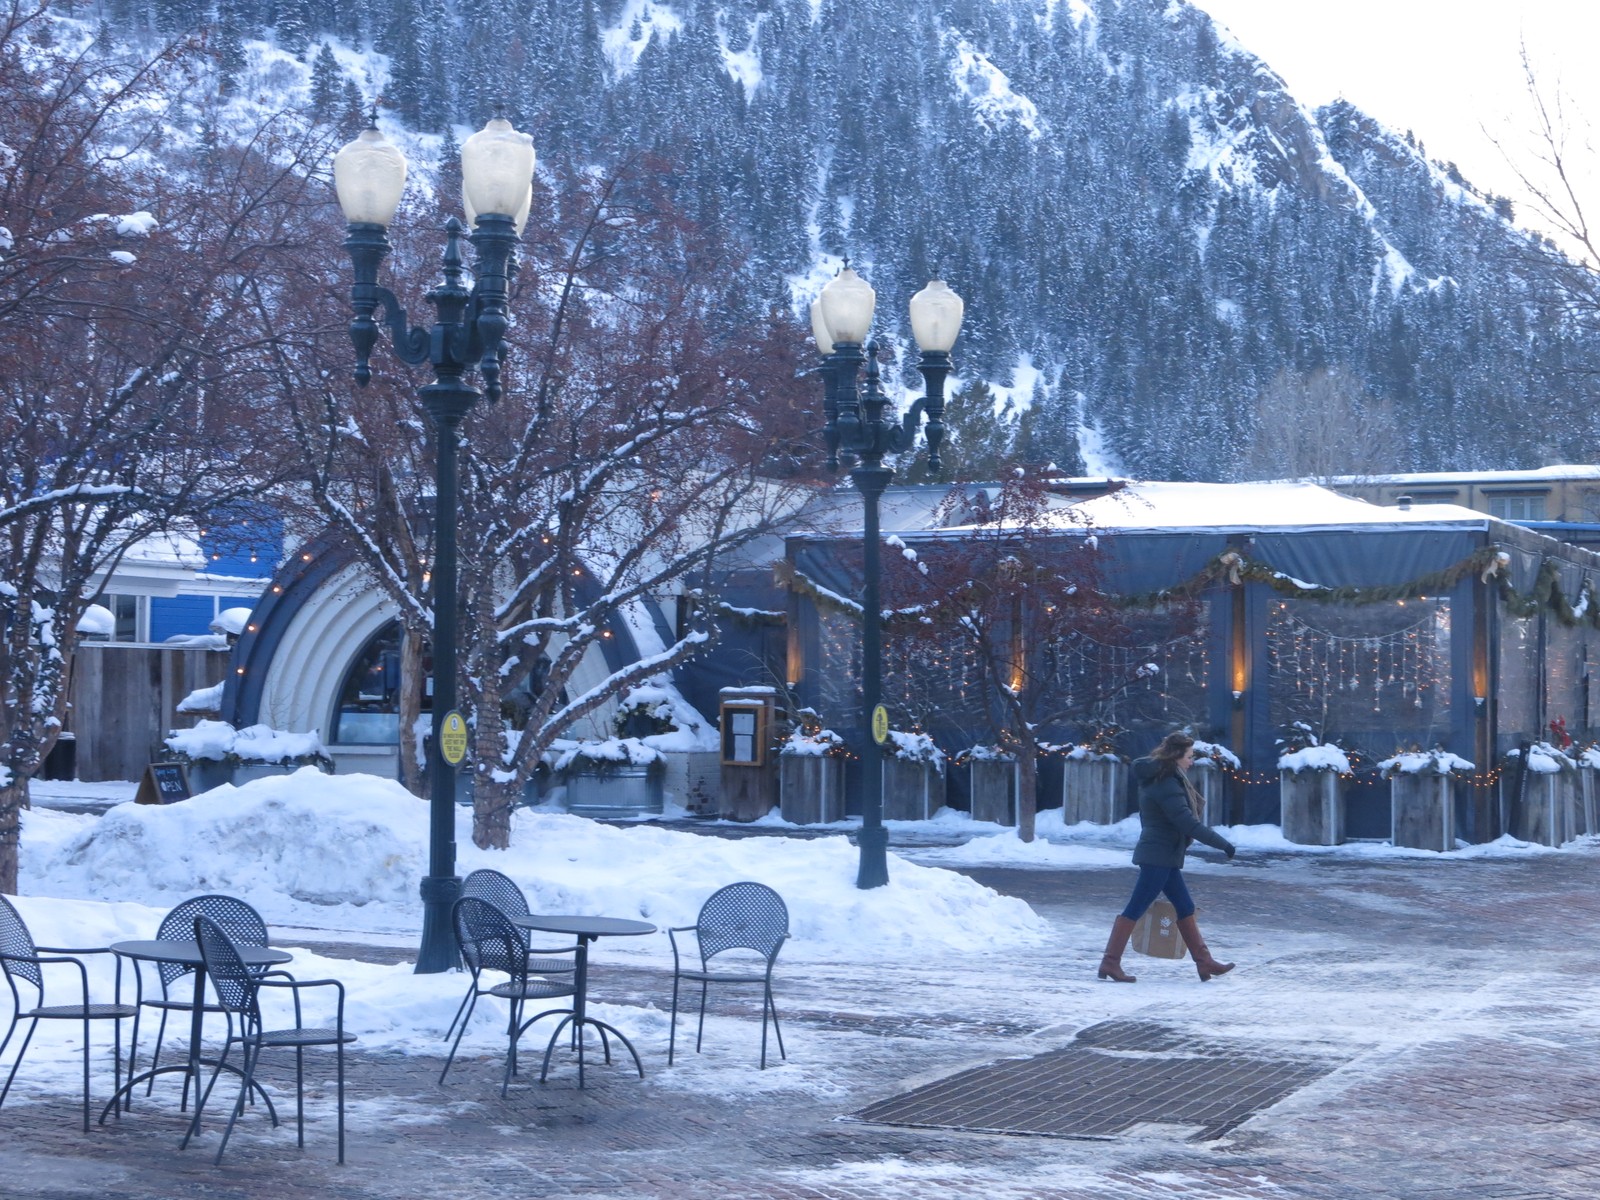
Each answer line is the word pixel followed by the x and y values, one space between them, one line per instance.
pixel 1118 1078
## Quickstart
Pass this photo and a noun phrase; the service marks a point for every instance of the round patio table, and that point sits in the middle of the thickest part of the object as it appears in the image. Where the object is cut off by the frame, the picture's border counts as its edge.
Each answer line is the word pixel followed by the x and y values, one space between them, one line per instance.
pixel 187 953
pixel 586 930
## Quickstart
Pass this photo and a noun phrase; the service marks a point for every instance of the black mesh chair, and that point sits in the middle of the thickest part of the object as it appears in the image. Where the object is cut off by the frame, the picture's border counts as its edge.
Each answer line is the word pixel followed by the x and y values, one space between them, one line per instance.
pixel 500 891
pixel 742 916
pixel 236 918
pixel 490 942
pixel 238 994
pixel 21 960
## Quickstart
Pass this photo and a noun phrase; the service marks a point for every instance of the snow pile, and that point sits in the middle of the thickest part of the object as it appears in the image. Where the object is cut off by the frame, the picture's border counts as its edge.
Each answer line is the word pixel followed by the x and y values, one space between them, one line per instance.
pixel 813 743
pixel 1545 759
pixel 1216 752
pixel 613 751
pixel 347 851
pixel 916 747
pixel 231 620
pixel 1438 762
pixel 220 742
pixel 1316 758
pixel 201 700
pixel 682 727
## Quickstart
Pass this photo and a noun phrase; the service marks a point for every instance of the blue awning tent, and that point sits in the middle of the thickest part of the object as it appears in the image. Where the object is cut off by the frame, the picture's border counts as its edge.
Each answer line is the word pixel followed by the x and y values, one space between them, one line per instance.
pixel 1381 628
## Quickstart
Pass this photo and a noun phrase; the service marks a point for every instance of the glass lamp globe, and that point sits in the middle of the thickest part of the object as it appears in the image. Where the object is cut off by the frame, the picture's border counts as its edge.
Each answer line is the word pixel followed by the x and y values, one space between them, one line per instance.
pixel 496 167
pixel 369 175
pixel 936 313
pixel 847 305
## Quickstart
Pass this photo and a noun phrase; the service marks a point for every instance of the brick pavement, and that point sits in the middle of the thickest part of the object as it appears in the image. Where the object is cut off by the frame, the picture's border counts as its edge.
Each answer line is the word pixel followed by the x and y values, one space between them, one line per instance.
pixel 1456 999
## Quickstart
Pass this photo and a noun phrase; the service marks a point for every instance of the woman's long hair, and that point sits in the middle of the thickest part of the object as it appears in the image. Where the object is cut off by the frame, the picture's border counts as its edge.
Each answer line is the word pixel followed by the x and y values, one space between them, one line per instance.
pixel 1173 747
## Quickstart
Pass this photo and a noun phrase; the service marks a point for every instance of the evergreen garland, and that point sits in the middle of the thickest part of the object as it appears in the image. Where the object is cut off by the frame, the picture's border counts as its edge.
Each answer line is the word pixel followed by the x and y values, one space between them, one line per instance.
pixel 1232 568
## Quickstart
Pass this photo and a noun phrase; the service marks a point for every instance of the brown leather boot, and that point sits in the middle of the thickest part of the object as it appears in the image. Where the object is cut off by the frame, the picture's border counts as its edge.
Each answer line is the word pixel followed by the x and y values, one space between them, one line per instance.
pixel 1203 962
pixel 1111 961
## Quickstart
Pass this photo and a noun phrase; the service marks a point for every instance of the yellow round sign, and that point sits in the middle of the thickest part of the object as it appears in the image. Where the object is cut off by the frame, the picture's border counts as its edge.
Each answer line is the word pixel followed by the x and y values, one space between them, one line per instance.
pixel 453 738
pixel 880 724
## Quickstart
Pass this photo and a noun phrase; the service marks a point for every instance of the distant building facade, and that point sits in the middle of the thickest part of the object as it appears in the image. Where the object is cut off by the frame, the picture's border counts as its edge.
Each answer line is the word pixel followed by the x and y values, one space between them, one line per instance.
pixel 1562 501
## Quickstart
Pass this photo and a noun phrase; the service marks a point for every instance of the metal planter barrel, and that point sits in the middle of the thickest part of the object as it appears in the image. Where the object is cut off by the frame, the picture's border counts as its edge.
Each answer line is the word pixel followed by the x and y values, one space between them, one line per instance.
pixel 615 789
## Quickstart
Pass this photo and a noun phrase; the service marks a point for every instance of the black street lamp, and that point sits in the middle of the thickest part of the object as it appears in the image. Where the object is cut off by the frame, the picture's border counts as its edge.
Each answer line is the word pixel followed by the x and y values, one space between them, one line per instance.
pixel 855 423
pixel 497 192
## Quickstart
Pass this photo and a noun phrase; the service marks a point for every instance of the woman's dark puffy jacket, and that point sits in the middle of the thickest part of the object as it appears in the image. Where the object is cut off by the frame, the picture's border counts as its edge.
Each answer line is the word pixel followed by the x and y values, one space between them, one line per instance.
pixel 1167 823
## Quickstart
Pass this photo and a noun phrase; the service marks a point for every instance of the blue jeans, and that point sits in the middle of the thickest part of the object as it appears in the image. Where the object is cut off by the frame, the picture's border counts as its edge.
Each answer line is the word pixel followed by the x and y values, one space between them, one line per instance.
pixel 1151 883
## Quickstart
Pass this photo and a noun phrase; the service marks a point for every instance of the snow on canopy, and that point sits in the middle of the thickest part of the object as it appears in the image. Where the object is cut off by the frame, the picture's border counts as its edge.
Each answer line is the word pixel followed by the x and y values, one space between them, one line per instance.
pixel 1251 506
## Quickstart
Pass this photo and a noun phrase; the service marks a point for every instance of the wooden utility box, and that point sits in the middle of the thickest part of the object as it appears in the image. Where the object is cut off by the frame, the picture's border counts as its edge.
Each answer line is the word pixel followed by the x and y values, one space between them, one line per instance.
pixel 994 790
pixel 1552 806
pixel 812 788
pixel 1312 807
pixel 749 768
pixel 1095 790
pixel 912 791
pixel 1422 807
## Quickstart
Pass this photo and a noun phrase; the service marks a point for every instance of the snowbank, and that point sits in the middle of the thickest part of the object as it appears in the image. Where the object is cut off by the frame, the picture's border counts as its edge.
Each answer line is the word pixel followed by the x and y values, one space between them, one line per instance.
pixel 347 851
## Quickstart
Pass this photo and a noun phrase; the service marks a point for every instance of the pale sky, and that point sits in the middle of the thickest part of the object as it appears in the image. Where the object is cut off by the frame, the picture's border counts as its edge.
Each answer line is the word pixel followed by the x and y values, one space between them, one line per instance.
pixel 1448 70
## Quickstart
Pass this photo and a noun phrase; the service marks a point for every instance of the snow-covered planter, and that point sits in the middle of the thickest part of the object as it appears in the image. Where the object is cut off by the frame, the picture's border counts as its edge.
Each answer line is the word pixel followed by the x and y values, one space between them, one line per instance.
pixel 1589 789
pixel 1208 774
pixel 913 777
pixel 1547 810
pixel 1422 805
pixel 811 773
pixel 1311 795
pixel 216 753
pixel 659 716
pixel 610 777
pixel 995 784
pixel 1094 786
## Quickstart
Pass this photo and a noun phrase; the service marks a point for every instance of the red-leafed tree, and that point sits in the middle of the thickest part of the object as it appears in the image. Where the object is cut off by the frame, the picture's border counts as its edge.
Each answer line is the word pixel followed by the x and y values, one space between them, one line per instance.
pixel 990 607
pixel 127 352
pixel 636 443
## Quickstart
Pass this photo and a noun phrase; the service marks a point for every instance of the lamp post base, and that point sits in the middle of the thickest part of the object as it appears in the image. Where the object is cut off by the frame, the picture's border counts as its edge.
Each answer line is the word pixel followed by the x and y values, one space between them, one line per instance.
pixel 873 842
pixel 438 951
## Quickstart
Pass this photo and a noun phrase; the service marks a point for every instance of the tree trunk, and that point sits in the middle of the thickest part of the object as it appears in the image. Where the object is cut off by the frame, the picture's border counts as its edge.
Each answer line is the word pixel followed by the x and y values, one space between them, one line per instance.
pixel 1027 788
pixel 413 770
pixel 494 785
pixel 13 799
pixel 492 802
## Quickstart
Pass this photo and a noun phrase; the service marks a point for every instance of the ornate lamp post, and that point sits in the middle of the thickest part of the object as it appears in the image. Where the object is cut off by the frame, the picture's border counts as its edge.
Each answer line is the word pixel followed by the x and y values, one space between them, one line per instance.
pixel 497 192
pixel 855 423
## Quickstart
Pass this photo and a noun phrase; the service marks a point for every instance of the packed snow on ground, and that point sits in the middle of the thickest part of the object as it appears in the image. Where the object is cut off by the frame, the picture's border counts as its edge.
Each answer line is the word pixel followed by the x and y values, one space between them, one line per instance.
pixel 337 858
pixel 342 855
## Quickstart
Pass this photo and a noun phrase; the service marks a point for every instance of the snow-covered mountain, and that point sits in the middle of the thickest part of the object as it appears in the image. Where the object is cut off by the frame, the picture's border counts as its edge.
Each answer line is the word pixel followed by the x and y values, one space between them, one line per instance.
pixel 1156 242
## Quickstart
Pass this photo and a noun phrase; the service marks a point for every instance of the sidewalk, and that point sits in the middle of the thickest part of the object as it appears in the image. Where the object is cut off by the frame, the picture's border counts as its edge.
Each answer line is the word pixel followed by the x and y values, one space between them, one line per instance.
pixel 1401 1029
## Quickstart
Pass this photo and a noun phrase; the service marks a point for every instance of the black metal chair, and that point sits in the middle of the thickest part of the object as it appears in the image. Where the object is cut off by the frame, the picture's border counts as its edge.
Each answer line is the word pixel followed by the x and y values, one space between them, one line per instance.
pixel 21 959
pixel 490 942
pixel 238 993
pixel 502 892
pixel 742 916
pixel 237 919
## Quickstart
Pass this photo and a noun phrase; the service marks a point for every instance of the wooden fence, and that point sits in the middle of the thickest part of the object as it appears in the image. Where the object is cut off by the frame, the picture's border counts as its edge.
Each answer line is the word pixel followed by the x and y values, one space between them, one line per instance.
pixel 125 699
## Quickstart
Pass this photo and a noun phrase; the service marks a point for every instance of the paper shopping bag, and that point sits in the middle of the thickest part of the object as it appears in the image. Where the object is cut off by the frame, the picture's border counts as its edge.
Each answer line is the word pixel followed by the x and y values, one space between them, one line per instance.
pixel 1156 933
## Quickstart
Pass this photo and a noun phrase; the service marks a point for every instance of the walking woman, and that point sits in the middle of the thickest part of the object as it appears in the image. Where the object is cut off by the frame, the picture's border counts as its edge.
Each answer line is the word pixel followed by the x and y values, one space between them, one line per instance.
pixel 1168 822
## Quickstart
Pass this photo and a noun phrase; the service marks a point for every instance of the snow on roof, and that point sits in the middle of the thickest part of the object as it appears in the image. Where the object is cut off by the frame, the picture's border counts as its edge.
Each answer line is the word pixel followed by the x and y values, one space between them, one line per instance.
pixel 1251 506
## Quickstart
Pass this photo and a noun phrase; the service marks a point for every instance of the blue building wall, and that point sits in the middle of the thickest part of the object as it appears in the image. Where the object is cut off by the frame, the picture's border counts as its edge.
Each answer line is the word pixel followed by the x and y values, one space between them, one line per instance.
pixel 171 616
